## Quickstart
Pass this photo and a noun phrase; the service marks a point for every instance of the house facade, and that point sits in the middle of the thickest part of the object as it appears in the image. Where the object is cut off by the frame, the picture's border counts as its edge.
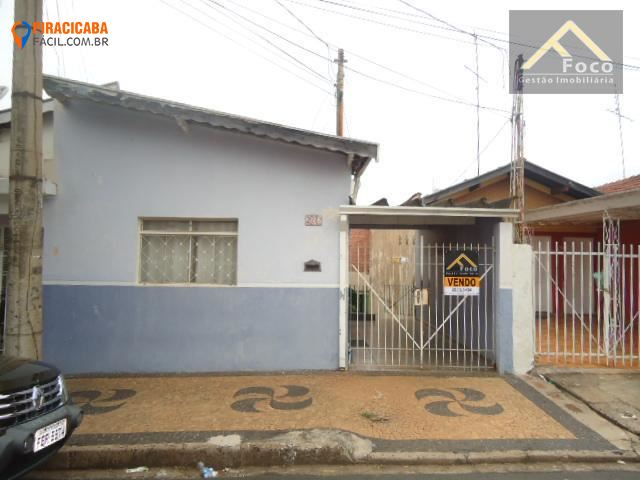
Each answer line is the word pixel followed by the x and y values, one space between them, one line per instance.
pixel 185 240
pixel 179 239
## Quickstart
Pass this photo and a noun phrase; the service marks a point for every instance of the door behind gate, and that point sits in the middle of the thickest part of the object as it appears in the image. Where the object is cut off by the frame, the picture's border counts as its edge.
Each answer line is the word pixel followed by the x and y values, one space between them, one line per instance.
pixel 401 316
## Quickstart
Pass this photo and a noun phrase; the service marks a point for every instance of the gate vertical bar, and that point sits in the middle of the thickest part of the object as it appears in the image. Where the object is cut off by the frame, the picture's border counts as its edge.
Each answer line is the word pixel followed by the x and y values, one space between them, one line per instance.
pixel 548 286
pixel 631 305
pixel 590 287
pixel 422 301
pixel 621 330
pixel 599 266
pixel 573 301
pixel 537 311
pixel 564 304
pixel 556 306
pixel 359 294
pixel 444 303
pixel 582 300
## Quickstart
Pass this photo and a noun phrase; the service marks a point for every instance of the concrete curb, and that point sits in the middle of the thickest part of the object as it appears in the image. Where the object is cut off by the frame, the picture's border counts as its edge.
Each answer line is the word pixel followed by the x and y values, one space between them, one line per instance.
pixel 261 455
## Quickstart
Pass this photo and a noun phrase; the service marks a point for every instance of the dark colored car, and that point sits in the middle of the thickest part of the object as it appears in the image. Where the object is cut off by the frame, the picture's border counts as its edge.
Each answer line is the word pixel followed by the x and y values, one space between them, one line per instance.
pixel 36 415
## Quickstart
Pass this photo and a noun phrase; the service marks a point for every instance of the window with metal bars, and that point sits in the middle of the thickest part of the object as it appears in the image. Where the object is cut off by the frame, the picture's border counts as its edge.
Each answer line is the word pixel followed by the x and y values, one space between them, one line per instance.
pixel 186 251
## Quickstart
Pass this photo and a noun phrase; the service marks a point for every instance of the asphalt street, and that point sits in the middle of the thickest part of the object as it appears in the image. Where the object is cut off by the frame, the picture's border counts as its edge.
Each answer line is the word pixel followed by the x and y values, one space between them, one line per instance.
pixel 631 473
pixel 597 475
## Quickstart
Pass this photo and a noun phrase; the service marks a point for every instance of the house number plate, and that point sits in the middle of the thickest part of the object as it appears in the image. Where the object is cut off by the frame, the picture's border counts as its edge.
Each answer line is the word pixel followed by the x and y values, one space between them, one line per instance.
pixel 313 220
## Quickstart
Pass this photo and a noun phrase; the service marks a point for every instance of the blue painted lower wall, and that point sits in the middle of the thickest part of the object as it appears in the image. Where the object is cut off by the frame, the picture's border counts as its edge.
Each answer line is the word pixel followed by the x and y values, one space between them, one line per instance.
pixel 113 329
pixel 504 330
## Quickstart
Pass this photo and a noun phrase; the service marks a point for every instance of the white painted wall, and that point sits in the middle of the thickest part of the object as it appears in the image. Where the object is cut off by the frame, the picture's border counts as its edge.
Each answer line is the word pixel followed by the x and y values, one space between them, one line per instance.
pixel 116 165
pixel 523 312
pixel 514 303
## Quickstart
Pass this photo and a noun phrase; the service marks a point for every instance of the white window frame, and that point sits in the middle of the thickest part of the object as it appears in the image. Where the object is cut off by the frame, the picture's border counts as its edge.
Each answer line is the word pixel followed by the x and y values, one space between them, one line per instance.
pixel 142 232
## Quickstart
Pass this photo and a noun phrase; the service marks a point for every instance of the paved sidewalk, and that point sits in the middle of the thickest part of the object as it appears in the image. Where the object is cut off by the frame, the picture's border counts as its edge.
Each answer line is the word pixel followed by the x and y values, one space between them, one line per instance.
pixel 614 394
pixel 335 417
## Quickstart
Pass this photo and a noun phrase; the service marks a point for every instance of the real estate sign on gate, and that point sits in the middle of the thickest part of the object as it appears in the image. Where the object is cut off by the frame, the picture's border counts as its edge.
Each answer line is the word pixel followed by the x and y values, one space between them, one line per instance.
pixel 461 273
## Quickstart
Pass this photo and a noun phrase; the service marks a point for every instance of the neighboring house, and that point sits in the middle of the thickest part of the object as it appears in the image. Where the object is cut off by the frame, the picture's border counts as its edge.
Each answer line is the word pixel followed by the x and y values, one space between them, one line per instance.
pixel 592 282
pixel 542 188
pixel 629 229
pixel 184 239
pixel 623 185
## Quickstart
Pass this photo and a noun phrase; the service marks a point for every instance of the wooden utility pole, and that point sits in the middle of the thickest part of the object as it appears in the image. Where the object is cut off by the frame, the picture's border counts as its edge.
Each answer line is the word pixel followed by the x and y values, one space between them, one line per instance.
pixel 23 333
pixel 340 94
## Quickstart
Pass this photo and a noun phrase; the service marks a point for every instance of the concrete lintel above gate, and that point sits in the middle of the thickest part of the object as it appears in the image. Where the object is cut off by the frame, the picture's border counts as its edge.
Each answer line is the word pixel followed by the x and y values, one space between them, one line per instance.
pixel 415 217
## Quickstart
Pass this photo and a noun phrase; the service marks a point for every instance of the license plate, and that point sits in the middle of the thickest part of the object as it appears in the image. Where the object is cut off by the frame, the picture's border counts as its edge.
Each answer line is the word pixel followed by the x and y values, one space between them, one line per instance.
pixel 50 434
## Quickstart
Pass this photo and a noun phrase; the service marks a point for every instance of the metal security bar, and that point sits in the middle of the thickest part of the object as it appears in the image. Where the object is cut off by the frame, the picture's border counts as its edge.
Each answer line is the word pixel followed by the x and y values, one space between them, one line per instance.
pixel 586 303
pixel 399 315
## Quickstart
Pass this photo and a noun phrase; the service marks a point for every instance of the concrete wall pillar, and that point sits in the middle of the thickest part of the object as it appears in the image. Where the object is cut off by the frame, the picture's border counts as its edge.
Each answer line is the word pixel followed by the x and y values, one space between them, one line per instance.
pixel 514 314
pixel 343 320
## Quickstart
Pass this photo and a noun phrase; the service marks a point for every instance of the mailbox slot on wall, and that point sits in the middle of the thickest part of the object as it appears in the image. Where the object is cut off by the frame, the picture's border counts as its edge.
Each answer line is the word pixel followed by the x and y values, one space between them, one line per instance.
pixel 312 266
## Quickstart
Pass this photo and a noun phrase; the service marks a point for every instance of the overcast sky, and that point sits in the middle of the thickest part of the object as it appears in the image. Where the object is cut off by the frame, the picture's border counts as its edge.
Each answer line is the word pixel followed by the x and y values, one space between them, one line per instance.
pixel 267 65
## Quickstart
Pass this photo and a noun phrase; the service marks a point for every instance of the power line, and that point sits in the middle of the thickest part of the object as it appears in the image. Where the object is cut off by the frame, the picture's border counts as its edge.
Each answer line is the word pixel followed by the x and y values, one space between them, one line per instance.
pixel 449 27
pixel 446 99
pixel 404 75
pixel 444 22
pixel 484 149
pixel 398 27
pixel 209 27
pixel 352 53
pixel 496 39
pixel 374 12
pixel 55 49
pixel 618 114
pixel 80 50
pixel 273 44
pixel 452 100
pixel 372 77
pixel 422 32
pixel 287 56
pixel 64 65
pixel 299 20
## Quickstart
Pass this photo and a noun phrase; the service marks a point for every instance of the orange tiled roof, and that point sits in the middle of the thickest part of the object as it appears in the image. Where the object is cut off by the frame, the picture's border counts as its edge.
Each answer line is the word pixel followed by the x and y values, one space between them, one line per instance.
pixel 623 185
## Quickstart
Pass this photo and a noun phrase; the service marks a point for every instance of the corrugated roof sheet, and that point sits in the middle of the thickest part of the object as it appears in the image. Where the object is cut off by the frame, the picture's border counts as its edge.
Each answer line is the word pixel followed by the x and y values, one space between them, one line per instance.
pixel 63 89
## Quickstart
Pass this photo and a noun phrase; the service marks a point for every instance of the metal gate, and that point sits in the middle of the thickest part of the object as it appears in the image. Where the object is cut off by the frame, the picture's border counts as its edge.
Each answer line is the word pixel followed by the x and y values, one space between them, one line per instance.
pixel 586 303
pixel 399 315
